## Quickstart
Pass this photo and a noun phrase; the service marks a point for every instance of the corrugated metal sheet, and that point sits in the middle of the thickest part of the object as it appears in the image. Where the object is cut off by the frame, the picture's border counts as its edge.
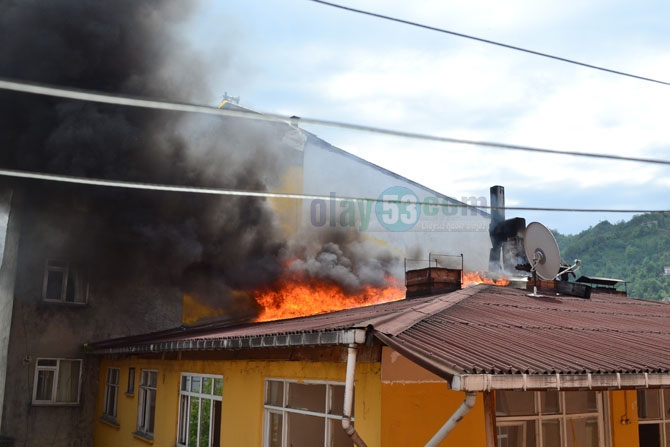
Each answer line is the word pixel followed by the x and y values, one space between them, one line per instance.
pixel 479 330
pixel 505 331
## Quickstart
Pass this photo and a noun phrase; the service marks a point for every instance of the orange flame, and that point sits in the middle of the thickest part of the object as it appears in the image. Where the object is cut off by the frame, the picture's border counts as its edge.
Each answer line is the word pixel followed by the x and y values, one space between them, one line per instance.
pixel 297 297
pixel 472 278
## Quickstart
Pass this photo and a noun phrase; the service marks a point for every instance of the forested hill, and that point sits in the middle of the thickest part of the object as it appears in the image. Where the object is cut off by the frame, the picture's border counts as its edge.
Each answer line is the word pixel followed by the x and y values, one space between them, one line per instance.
pixel 636 251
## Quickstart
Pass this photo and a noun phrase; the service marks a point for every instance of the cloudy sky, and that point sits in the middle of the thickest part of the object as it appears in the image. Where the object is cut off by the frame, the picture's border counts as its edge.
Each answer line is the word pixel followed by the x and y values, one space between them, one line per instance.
pixel 297 57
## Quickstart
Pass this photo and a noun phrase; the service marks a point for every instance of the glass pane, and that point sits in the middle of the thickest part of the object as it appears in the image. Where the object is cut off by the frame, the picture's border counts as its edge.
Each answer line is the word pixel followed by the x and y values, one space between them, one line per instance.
pixel 206 385
pixel 205 419
pixel 152 409
pixel 275 393
pixel 183 419
pixel 551 433
pixel 185 383
pixel 648 404
pixel 195 384
pixel 113 377
pixel 131 381
pixel 580 402
pixel 337 400
pixel 47 362
pixel 666 403
pixel 305 430
pixel 45 380
pixel 307 397
pixel 550 402
pixel 193 421
pixel 667 434
pixel 68 381
pixel 147 379
pixel 218 387
pixel 582 432
pixel 69 288
pixel 515 403
pixel 650 434
pixel 521 434
pixel 111 401
pixel 54 286
pixel 153 379
pixel 338 437
pixel 275 430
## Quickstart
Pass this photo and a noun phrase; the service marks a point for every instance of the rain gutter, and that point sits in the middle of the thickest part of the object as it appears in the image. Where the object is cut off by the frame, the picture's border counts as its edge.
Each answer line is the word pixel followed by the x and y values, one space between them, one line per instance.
pixel 556 381
pixel 325 338
pixel 347 424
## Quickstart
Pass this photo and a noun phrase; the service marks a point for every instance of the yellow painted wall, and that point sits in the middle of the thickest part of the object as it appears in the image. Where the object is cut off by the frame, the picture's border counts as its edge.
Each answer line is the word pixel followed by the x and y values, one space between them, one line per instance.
pixel 413 412
pixel 623 418
pixel 242 399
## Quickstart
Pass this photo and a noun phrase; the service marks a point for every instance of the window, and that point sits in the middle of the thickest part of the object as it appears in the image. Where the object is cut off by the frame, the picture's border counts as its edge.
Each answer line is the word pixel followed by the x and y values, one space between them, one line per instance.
pixel 549 419
pixel 57 382
pixel 111 394
pixel 305 413
pixel 146 407
pixel 131 382
pixel 64 283
pixel 199 410
pixel 653 411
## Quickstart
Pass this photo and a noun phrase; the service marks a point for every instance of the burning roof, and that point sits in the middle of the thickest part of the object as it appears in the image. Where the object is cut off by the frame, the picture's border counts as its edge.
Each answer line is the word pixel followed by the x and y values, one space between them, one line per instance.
pixel 477 336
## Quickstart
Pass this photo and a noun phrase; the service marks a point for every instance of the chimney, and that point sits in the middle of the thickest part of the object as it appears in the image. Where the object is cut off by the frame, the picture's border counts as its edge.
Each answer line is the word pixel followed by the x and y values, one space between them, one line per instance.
pixel 506 235
pixel 432 281
pixel 497 217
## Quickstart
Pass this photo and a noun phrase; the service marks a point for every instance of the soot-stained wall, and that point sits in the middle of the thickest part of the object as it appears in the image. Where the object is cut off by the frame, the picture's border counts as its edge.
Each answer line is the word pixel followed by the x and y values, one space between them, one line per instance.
pixel 122 300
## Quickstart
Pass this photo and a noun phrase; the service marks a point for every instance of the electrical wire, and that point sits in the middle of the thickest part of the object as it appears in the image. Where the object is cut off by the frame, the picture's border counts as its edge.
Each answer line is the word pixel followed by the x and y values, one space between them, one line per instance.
pixel 279 195
pixel 491 42
pixel 106 98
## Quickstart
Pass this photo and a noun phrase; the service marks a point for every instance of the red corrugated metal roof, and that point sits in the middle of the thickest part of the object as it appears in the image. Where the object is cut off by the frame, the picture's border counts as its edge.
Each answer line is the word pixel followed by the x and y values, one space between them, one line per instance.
pixel 503 330
pixel 478 330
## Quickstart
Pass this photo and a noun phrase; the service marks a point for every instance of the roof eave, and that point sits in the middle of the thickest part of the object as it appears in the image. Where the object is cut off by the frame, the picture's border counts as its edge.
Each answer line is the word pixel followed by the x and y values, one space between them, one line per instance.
pixel 326 338
pixel 523 382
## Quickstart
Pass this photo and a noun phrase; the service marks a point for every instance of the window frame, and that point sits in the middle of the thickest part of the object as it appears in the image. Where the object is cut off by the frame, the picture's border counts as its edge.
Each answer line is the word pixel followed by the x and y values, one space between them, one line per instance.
pixel 663 421
pixel 54 381
pixel 130 389
pixel 69 272
pixel 284 410
pixel 183 421
pixel 562 416
pixel 109 409
pixel 146 412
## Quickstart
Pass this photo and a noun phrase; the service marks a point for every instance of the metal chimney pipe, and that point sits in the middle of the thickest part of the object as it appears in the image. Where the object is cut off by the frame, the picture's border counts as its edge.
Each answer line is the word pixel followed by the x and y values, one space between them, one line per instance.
pixel 497 218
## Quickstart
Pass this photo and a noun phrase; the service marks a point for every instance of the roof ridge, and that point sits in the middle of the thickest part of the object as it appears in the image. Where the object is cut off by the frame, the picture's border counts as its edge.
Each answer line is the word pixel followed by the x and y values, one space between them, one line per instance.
pixel 400 320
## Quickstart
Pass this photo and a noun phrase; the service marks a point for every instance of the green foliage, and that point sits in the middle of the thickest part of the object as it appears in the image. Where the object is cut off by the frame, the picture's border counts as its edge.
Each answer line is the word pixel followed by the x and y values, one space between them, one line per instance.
pixel 636 251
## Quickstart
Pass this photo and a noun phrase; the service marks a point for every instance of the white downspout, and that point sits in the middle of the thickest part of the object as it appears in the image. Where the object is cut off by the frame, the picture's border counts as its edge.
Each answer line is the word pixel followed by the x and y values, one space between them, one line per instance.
pixel 347 425
pixel 455 418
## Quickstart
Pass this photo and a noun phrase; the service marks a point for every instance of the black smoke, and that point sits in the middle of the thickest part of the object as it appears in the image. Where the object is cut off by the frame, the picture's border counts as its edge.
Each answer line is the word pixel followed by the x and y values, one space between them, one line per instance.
pixel 209 245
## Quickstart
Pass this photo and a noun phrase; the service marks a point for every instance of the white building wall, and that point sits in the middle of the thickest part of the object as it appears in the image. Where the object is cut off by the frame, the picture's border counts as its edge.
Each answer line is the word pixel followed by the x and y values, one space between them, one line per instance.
pixel 411 229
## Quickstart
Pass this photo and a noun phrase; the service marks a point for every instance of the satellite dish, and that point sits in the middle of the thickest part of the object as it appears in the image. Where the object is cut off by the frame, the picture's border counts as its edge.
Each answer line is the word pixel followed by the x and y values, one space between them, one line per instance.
pixel 542 251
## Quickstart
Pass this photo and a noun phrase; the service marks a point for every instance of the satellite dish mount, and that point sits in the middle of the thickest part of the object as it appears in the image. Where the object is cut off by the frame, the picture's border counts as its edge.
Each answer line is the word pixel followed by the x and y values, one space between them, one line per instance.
pixel 542 252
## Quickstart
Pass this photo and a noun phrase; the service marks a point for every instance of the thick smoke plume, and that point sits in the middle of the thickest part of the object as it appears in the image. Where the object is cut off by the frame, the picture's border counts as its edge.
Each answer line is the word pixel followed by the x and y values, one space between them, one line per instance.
pixel 208 245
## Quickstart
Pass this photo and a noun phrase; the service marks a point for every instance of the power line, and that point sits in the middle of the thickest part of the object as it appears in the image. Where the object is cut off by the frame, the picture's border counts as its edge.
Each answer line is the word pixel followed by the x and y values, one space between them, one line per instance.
pixel 491 42
pixel 87 95
pixel 280 195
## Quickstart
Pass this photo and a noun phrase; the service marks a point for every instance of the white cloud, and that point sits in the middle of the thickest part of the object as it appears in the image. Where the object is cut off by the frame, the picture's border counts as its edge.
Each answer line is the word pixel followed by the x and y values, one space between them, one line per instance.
pixel 324 63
